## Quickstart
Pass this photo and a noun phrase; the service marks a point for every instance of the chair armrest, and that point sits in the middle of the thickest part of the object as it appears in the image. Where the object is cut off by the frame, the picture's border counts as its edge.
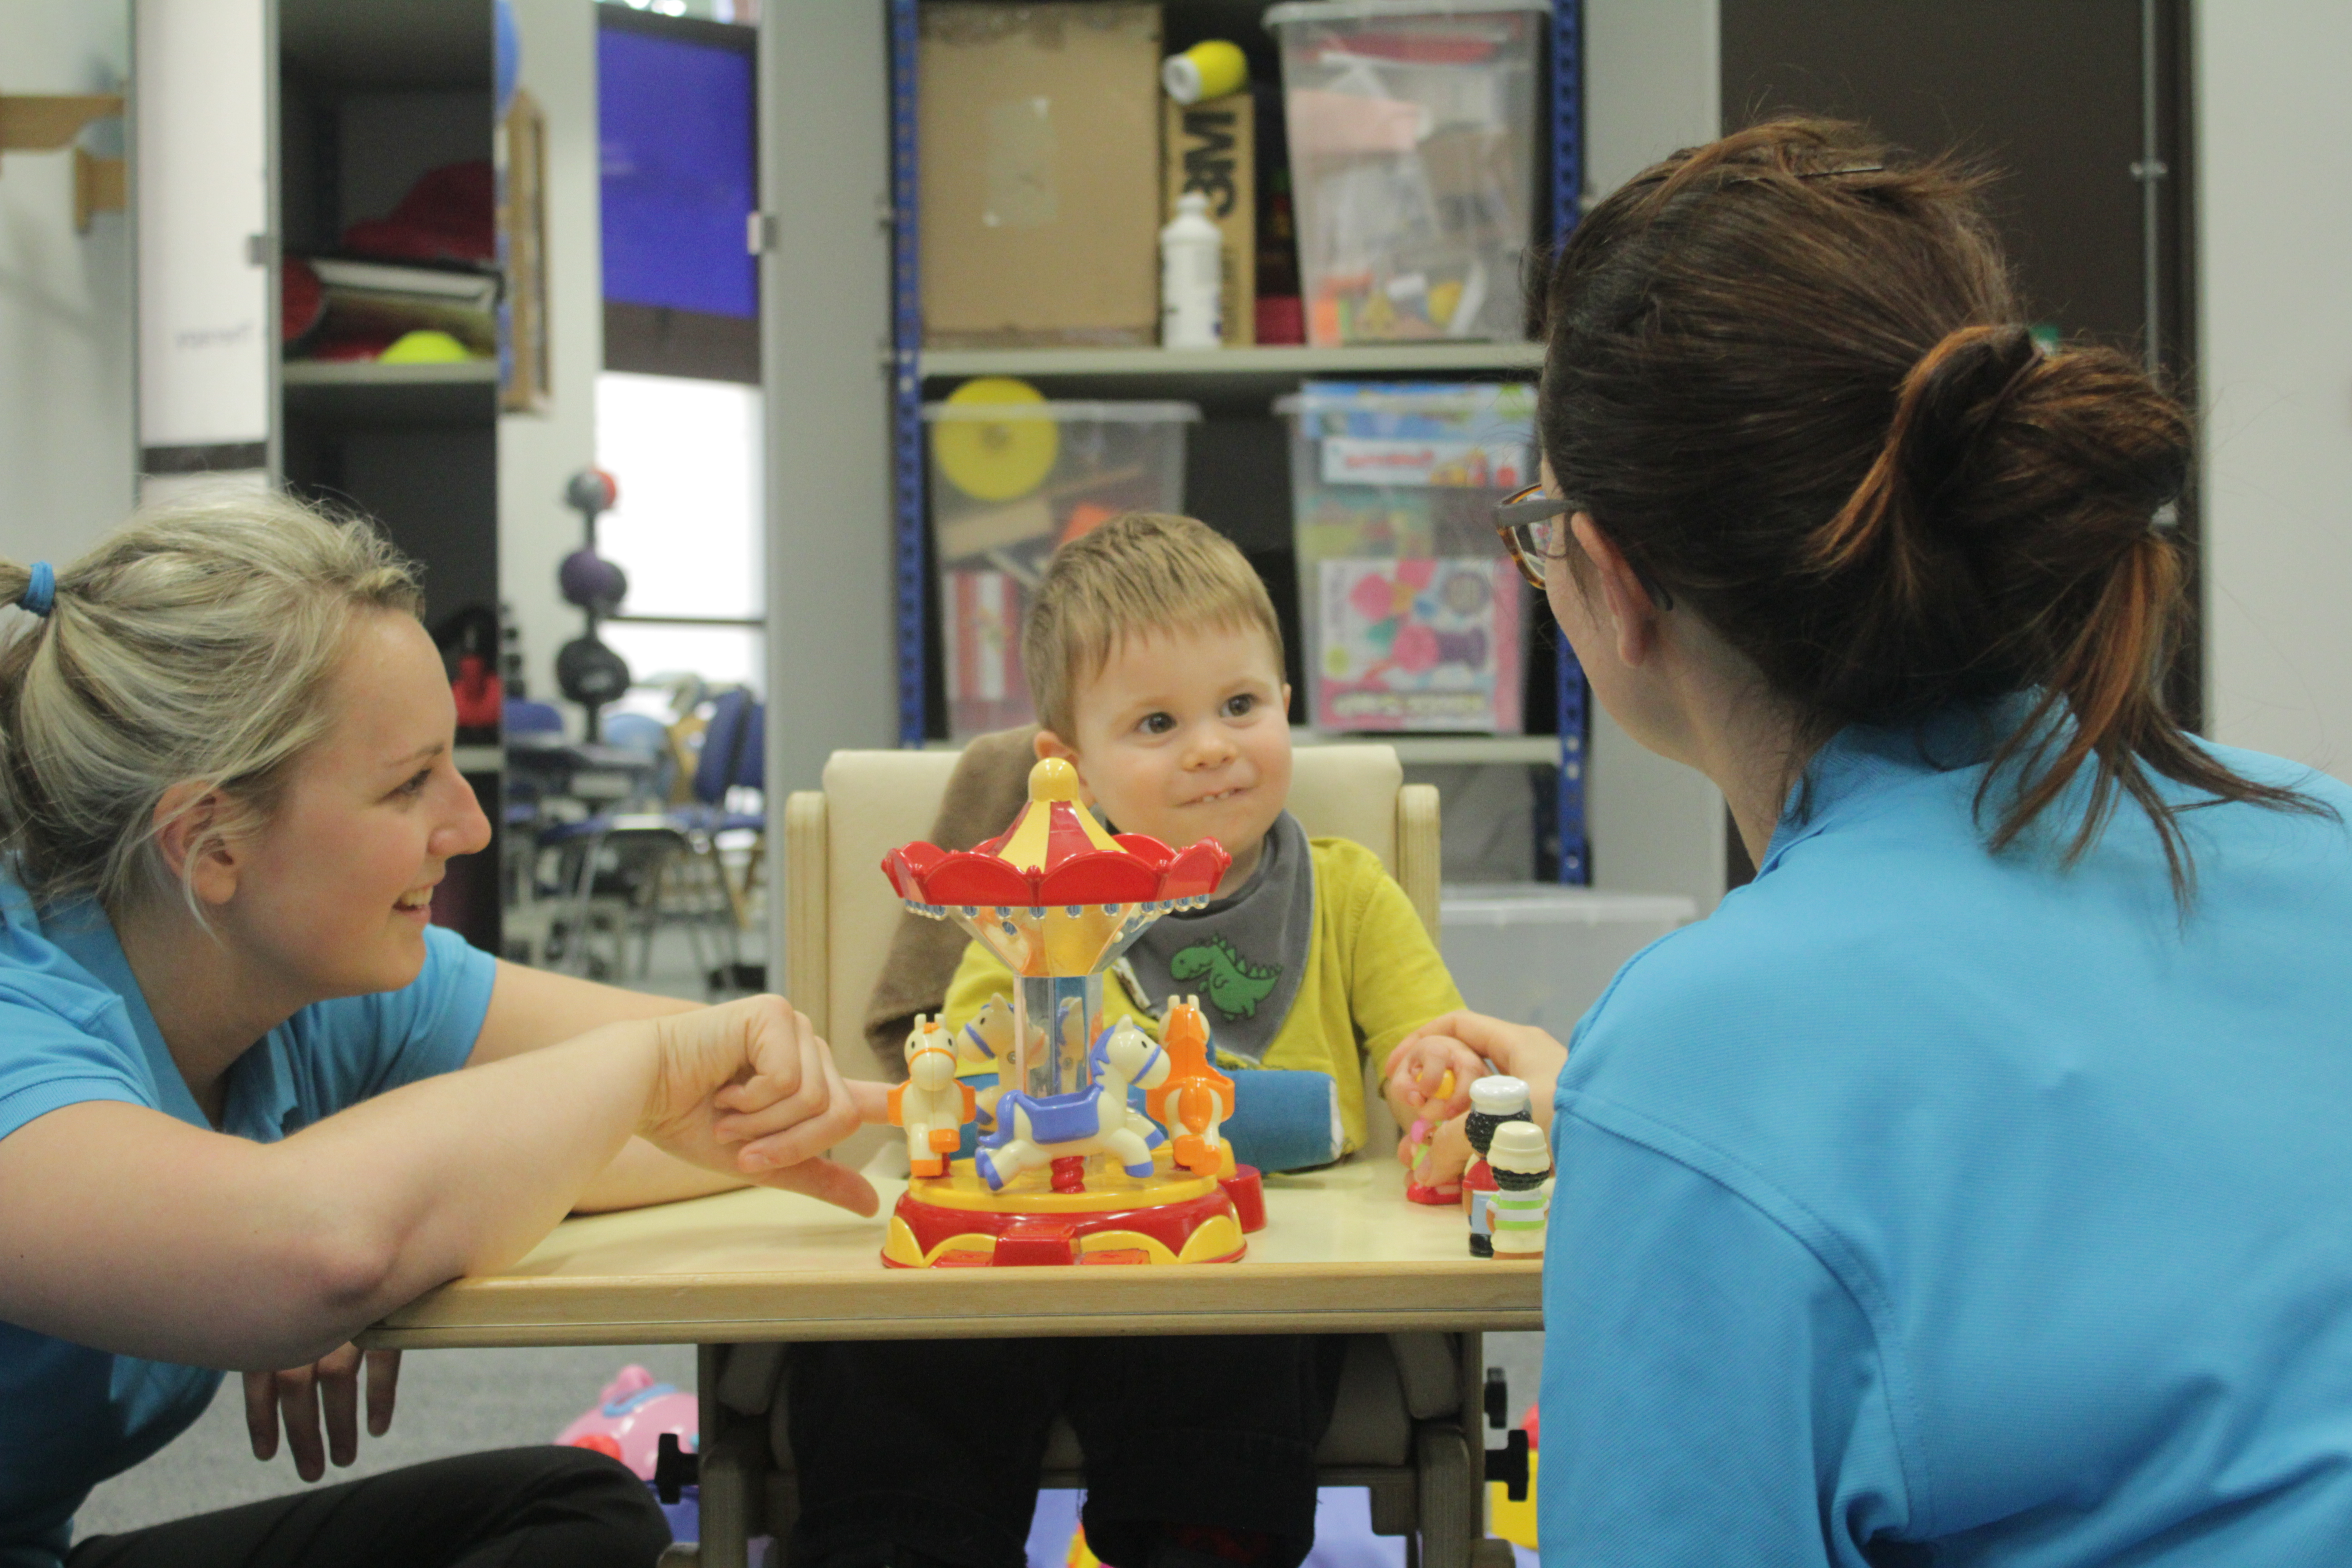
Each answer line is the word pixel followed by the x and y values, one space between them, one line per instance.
pixel 1418 850
pixel 807 962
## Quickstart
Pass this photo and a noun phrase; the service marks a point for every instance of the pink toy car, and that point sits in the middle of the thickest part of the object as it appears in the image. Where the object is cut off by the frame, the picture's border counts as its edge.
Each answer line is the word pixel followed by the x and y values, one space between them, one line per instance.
pixel 629 1421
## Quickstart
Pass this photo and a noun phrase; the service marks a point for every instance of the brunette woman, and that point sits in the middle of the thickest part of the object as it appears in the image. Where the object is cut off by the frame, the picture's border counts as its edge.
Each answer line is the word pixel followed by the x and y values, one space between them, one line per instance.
pixel 1973 1186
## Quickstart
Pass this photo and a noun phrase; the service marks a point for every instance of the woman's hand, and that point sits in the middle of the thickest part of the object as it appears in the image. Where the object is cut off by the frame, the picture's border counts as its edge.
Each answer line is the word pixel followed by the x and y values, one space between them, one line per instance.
pixel 330 1382
pixel 1470 1044
pixel 748 1088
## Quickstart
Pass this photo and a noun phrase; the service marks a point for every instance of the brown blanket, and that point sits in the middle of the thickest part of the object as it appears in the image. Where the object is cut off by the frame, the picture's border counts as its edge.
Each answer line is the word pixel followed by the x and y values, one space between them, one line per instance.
pixel 987 789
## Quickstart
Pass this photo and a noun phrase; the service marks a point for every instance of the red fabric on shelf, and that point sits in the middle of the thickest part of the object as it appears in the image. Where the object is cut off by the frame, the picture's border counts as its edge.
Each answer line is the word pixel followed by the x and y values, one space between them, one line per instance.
pixel 448 215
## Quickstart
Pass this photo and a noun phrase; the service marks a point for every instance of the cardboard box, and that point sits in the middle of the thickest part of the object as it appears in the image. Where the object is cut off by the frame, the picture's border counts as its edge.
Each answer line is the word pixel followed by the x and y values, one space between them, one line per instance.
pixel 1039 129
pixel 1211 148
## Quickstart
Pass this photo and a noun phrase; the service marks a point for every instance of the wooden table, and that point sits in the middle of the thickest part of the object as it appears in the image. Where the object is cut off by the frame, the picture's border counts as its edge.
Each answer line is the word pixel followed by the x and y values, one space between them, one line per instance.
pixel 1342 1252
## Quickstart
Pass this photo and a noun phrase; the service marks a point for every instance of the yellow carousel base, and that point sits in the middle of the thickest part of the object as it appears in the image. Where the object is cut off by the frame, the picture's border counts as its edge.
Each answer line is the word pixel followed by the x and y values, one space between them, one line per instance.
pixel 1169 1217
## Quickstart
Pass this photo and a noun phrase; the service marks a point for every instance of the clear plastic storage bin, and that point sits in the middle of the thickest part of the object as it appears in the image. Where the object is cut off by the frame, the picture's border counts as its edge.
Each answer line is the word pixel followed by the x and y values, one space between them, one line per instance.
pixel 1535 954
pixel 1413 162
pixel 1413 616
pixel 1009 482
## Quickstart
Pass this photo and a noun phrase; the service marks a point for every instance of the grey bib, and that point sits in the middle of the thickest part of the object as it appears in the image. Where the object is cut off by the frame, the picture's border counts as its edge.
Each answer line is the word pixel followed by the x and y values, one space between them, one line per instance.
pixel 1243 954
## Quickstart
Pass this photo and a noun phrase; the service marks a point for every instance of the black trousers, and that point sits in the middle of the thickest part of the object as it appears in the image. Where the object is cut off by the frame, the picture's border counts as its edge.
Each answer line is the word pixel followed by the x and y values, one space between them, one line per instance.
pixel 929 1450
pixel 519 1508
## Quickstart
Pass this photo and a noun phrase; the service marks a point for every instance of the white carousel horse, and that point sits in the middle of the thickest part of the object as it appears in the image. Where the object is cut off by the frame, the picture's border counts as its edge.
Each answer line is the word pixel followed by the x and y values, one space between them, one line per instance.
pixel 930 1105
pixel 1031 1132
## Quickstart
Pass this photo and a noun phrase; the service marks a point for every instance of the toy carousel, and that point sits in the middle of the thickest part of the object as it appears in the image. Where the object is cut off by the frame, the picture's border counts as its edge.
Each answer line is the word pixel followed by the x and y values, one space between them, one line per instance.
pixel 1067 1170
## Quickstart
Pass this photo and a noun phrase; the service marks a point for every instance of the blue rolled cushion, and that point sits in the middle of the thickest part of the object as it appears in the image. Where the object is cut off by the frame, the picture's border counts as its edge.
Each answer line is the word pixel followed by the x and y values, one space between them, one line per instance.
pixel 1285 1118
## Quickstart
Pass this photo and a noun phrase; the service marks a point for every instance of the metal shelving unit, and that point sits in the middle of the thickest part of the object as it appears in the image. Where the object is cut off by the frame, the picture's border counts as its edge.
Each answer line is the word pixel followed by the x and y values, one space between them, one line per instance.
pixel 366 393
pixel 1566 205
pixel 374 373
pixel 1230 374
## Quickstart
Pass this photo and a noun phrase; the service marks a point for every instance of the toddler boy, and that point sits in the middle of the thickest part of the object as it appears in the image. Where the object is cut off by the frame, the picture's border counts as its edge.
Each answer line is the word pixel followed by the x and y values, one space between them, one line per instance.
pixel 1155 660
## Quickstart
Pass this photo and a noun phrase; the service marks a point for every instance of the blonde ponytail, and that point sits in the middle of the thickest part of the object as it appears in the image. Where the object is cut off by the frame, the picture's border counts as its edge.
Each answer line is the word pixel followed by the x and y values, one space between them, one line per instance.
pixel 193 644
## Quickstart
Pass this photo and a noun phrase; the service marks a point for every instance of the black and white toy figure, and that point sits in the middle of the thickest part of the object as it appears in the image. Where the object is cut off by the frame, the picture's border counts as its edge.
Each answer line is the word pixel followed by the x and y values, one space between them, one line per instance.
pixel 1492 1101
pixel 1520 1204
pixel 588 671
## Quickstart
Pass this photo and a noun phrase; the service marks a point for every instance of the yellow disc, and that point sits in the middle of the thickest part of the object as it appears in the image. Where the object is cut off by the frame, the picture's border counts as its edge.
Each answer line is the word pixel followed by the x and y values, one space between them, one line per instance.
pixel 426 345
pixel 996 459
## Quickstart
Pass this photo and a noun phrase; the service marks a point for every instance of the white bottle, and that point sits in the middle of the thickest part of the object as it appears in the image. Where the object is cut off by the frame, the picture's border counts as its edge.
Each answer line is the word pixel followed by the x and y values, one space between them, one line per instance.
pixel 1191 277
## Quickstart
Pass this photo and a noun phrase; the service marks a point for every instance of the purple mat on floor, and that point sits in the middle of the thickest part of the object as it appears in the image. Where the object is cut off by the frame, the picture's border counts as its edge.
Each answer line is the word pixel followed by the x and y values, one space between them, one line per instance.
pixel 1343 1532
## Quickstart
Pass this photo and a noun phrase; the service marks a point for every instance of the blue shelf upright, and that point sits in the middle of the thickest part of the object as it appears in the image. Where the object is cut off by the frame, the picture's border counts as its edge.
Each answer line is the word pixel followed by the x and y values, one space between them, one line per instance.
pixel 905 378
pixel 1566 204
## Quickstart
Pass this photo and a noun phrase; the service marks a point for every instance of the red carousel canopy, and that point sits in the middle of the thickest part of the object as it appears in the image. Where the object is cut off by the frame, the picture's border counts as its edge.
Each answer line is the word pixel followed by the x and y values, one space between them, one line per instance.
pixel 1056 853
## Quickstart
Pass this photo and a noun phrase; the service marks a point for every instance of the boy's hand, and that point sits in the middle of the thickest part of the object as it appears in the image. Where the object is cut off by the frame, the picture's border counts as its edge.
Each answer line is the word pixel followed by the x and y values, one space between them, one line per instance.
pixel 1417 1070
pixel 1440 1161
pixel 1522 1050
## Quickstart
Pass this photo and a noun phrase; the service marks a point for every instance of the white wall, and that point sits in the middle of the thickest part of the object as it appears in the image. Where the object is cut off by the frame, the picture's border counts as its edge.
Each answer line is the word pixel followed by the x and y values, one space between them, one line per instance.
pixel 825 174
pixel 2274 272
pixel 67 457
pixel 538 452
pixel 1651 84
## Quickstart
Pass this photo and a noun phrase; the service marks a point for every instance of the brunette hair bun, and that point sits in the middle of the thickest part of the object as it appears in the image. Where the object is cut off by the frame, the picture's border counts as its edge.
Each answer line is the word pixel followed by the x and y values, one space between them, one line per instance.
pixel 1785 375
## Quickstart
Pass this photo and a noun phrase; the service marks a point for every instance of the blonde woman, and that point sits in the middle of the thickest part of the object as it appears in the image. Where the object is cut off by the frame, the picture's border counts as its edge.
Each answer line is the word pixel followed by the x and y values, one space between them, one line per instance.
pixel 250 1101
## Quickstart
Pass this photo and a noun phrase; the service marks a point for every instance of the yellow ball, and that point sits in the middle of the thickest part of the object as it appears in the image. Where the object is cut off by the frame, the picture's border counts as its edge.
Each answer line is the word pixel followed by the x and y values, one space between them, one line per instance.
pixel 996 459
pixel 426 345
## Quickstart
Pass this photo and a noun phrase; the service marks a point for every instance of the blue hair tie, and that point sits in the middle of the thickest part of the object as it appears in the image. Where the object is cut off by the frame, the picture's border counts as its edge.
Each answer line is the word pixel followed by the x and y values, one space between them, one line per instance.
pixel 40 593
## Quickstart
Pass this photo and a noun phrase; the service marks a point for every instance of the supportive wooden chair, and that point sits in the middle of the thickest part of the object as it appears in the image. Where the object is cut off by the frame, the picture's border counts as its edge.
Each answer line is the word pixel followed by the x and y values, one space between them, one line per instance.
pixel 1406 1424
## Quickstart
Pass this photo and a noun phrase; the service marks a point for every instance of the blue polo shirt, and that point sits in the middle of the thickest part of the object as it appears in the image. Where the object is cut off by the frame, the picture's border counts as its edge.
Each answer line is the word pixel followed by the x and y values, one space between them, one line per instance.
pixel 74 1028
pixel 1928 1206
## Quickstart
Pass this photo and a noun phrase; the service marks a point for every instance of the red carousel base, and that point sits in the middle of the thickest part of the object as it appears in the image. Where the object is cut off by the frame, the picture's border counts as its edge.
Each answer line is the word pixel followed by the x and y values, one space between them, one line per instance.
pixel 1169 1217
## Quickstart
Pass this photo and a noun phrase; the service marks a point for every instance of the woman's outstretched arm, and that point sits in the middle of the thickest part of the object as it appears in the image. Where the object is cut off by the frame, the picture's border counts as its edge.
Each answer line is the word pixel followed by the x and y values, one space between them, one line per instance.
pixel 531 1009
pixel 131 1231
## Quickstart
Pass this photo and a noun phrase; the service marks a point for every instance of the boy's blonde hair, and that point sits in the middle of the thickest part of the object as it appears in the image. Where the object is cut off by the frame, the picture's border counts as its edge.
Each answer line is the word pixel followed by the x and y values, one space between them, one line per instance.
pixel 1141 572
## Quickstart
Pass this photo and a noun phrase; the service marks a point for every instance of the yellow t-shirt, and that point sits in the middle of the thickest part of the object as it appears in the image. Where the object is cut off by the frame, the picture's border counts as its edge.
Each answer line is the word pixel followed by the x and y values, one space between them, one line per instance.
pixel 1373 976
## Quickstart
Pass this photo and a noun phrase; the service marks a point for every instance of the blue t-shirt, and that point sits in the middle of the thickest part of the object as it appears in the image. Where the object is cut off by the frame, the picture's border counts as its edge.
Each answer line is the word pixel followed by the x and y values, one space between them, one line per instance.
pixel 1925 1205
pixel 74 1028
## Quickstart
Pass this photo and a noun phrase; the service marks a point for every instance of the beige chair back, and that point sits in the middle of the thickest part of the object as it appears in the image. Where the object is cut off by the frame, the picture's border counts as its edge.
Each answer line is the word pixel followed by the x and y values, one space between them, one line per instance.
pixel 841 910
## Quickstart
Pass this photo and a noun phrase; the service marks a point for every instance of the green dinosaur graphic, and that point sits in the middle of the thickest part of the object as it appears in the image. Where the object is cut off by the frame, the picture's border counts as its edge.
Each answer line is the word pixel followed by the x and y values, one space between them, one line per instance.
pixel 1234 985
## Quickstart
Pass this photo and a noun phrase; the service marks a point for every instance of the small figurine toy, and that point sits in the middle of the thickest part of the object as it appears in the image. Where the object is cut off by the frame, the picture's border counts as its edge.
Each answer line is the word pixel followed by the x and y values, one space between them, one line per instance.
pixel 1520 1205
pixel 1492 1101
pixel 1424 1127
pixel 930 1105
pixel 1194 1098
pixel 1035 1132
